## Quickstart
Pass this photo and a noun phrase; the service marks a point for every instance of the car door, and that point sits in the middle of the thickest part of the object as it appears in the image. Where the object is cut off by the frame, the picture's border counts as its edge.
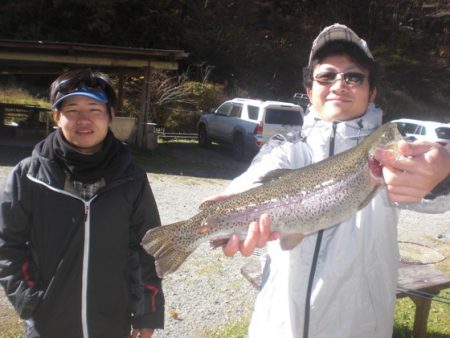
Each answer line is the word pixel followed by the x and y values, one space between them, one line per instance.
pixel 234 119
pixel 218 119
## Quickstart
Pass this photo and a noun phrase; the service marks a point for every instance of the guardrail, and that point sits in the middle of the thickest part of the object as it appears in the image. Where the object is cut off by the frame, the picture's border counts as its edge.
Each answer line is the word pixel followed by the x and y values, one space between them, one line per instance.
pixel 185 136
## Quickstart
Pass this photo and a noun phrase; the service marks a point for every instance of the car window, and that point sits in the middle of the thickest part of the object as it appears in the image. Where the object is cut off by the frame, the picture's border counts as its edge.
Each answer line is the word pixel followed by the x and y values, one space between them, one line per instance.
pixel 236 110
pixel 224 109
pixel 253 112
pixel 280 116
pixel 410 128
pixel 443 132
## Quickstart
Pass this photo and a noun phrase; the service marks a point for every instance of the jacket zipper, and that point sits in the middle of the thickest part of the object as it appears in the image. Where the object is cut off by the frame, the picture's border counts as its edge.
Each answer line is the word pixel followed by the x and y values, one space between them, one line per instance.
pixel 316 250
pixel 84 283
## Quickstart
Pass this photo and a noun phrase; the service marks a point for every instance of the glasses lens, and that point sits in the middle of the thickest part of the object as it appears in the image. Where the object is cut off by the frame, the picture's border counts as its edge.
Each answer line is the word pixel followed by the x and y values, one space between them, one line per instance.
pixel 350 78
pixel 354 78
pixel 326 77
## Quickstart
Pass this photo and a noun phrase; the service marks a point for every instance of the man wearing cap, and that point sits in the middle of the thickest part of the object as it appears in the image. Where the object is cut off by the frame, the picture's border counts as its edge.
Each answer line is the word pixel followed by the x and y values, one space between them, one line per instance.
pixel 71 219
pixel 339 282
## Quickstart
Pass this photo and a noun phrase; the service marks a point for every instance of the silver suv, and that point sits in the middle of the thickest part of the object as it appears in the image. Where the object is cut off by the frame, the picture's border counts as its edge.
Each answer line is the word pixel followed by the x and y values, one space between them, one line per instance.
pixel 247 124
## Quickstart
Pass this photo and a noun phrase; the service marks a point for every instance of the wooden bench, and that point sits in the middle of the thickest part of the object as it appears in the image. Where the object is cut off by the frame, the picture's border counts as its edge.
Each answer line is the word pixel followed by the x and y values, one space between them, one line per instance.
pixel 412 281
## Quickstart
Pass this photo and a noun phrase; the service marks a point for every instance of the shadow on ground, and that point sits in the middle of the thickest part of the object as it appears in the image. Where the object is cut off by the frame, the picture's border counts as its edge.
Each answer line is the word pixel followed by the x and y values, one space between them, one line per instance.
pixel 11 155
pixel 172 158
pixel 188 159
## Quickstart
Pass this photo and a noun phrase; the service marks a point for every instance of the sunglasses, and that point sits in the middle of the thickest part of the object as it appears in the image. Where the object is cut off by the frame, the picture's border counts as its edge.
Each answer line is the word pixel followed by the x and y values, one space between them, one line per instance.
pixel 351 79
pixel 90 86
pixel 92 83
pixel 97 90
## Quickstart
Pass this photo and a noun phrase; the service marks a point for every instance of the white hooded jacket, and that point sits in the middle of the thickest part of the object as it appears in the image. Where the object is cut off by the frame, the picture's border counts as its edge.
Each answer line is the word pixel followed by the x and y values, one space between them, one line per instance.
pixel 353 291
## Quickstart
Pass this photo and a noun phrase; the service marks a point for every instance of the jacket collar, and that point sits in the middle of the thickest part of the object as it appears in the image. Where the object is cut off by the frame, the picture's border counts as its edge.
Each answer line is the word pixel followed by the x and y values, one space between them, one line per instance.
pixel 346 134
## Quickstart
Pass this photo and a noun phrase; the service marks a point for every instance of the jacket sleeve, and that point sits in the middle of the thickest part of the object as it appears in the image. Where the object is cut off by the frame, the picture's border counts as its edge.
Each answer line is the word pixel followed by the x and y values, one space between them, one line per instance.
pixel 16 265
pixel 148 294
pixel 437 201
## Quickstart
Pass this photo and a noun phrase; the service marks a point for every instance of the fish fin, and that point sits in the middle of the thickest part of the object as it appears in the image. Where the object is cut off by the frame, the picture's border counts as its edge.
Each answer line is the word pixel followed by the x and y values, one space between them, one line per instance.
pixel 290 241
pixel 206 204
pixel 274 175
pixel 163 245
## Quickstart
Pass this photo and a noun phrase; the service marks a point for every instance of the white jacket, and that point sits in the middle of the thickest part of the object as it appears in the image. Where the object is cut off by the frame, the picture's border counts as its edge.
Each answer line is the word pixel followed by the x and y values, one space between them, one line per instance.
pixel 353 292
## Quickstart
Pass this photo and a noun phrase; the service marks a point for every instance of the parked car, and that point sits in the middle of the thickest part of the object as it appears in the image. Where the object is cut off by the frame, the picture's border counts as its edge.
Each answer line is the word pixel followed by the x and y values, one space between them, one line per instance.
pixel 247 124
pixel 425 130
pixel 302 100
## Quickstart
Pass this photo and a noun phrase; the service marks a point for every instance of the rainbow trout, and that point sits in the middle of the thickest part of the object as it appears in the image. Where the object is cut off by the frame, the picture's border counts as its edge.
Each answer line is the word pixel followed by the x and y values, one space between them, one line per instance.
pixel 299 201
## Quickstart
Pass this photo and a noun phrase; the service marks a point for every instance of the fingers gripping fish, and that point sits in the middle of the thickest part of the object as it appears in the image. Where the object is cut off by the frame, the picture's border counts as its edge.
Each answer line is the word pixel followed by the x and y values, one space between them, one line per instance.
pixel 299 201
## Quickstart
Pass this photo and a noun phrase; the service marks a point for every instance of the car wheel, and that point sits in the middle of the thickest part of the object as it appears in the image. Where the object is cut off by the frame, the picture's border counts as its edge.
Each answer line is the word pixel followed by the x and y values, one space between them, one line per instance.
pixel 238 148
pixel 203 139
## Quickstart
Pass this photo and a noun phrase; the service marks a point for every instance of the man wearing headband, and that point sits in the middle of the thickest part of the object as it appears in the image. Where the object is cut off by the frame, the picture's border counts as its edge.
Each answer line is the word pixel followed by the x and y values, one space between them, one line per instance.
pixel 339 282
pixel 71 219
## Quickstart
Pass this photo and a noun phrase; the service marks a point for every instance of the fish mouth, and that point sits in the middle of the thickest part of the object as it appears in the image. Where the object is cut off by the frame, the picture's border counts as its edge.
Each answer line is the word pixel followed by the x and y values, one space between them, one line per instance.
pixel 375 167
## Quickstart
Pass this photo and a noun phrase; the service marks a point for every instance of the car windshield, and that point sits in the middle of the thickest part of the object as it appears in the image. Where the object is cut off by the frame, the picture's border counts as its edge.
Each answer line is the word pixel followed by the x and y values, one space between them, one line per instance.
pixel 410 128
pixel 282 116
pixel 443 132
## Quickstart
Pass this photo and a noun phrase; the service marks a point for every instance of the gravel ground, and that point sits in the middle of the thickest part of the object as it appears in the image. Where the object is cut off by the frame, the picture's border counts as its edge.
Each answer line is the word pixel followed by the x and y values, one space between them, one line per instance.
pixel 208 291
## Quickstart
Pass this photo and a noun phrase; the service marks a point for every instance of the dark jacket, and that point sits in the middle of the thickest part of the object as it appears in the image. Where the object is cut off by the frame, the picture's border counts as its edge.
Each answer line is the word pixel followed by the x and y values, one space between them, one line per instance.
pixel 76 267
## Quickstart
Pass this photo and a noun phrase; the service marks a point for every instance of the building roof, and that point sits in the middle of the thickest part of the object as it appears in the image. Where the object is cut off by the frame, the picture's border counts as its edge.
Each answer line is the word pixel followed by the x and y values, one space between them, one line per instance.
pixel 31 57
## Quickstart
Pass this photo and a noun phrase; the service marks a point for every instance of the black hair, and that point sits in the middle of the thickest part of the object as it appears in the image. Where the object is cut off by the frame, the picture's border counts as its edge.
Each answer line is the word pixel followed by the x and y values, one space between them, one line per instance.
pixel 342 47
pixel 84 75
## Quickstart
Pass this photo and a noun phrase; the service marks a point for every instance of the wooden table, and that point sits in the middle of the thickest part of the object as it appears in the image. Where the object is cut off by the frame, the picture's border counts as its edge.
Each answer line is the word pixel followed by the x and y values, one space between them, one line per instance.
pixel 415 278
pixel 421 278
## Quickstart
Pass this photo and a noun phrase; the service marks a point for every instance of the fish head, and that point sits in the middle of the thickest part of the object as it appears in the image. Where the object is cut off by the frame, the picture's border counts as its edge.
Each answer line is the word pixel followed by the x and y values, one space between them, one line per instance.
pixel 384 147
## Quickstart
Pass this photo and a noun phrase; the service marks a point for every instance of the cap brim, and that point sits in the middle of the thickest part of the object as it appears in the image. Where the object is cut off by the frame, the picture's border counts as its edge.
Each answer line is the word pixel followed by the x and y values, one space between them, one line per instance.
pixel 90 95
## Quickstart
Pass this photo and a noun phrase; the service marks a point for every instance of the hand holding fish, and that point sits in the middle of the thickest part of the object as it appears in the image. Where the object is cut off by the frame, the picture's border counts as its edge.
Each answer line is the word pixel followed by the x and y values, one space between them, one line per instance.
pixel 421 166
pixel 257 237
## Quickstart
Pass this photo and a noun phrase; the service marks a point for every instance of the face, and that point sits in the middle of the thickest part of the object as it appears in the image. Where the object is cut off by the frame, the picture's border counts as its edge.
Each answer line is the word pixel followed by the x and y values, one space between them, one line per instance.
pixel 338 100
pixel 84 123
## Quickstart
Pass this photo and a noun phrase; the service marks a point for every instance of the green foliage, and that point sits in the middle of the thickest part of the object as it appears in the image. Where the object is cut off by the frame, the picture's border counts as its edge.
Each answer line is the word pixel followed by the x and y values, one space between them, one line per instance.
pixel 175 101
pixel 10 326
pixel 234 329
pixel 205 95
pixel 21 96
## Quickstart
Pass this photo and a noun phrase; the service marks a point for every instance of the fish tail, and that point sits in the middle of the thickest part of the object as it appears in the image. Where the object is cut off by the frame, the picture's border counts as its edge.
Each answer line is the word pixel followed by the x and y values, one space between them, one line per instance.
pixel 162 244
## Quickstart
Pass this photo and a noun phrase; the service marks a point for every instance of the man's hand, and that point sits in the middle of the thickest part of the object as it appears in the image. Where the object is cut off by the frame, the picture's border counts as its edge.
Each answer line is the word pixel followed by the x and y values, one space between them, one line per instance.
pixel 422 166
pixel 257 237
pixel 141 333
pixel 258 233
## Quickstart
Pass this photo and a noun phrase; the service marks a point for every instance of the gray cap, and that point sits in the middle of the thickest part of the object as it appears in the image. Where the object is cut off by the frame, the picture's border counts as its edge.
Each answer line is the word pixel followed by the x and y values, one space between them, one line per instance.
pixel 338 32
